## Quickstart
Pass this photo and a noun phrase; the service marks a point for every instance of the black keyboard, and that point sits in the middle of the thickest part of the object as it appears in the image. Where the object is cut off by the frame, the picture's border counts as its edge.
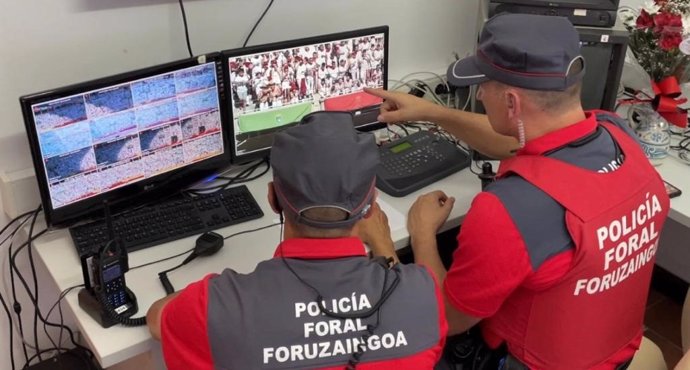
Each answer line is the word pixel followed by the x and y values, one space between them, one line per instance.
pixel 170 220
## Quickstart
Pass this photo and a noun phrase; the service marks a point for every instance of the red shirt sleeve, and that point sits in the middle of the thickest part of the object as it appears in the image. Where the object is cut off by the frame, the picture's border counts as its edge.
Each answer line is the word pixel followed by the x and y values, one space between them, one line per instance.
pixel 491 260
pixel 442 321
pixel 184 334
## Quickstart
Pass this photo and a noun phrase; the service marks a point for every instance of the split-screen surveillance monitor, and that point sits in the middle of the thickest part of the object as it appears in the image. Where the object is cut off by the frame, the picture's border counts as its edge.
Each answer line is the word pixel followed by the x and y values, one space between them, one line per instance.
pixel 273 86
pixel 121 137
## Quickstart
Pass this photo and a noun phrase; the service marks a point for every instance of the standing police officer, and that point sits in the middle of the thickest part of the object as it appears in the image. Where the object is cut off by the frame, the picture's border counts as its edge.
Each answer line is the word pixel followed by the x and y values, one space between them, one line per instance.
pixel 321 302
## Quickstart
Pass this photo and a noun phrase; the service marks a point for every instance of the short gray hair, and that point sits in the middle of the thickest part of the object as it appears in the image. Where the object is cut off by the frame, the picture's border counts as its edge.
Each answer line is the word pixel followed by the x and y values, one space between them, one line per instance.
pixel 327 214
pixel 557 101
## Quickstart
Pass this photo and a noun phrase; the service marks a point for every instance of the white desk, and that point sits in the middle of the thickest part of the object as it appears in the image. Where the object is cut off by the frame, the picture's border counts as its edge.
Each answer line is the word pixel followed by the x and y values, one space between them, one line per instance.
pixel 677 173
pixel 674 254
pixel 242 253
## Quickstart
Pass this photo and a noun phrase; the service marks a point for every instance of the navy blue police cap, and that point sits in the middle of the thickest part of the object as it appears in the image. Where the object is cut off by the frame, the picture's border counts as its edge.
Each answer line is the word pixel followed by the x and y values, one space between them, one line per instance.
pixel 523 50
pixel 325 163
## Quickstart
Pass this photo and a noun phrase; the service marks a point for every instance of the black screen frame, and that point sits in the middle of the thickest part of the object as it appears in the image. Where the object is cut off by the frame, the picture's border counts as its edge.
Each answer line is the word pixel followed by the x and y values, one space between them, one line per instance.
pixel 140 192
pixel 575 4
pixel 232 53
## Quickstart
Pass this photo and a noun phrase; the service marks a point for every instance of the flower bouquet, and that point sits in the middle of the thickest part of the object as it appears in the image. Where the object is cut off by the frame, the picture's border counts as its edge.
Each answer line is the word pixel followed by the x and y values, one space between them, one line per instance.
pixel 659 40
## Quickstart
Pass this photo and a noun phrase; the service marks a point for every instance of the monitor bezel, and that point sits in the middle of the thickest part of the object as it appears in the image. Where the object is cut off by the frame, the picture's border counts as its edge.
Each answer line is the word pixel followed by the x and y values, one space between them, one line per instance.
pixel 140 192
pixel 286 44
pixel 575 4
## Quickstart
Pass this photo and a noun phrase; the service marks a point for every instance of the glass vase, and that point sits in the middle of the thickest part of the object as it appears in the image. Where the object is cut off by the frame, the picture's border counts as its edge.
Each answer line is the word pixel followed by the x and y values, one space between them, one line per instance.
pixel 653 132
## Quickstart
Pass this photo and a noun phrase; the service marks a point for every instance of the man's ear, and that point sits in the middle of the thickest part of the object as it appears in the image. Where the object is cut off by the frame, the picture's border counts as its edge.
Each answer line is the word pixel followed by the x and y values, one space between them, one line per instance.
pixel 513 104
pixel 273 199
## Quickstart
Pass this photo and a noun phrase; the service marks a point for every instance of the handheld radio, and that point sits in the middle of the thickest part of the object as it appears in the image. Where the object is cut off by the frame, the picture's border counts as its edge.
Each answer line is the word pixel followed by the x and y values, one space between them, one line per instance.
pixel 106 297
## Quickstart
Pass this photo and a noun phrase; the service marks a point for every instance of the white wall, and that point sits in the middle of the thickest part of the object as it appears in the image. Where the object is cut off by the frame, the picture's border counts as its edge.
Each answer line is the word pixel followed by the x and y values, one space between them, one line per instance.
pixel 633 3
pixel 46 44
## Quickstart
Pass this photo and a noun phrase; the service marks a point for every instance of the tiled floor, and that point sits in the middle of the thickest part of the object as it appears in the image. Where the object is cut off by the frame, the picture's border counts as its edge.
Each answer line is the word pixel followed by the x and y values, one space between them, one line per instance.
pixel 662 319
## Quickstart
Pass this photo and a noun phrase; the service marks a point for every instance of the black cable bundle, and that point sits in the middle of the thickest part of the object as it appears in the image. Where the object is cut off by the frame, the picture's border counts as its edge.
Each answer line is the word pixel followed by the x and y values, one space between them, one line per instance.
pixel 33 295
pixel 2 299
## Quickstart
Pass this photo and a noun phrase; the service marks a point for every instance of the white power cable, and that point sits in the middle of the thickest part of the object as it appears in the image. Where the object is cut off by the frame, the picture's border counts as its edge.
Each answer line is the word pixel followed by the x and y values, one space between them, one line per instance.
pixel 440 78
pixel 409 84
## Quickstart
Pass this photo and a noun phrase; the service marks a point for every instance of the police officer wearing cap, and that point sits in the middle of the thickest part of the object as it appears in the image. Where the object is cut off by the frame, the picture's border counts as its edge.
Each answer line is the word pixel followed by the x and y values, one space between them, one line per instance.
pixel 555 257
pixel 320 302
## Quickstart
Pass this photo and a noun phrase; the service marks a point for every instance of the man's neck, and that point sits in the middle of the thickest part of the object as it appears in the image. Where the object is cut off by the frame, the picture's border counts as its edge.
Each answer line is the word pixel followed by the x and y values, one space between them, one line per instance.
pixel 292 232
pixel 541 123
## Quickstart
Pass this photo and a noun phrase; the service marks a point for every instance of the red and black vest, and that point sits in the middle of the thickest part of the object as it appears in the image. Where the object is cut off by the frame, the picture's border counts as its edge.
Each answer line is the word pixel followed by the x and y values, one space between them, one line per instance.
pixel 597 308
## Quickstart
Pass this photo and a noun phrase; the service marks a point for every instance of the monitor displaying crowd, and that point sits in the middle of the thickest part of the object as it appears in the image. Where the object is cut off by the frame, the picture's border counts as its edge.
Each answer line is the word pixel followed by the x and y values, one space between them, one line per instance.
pixel 313 73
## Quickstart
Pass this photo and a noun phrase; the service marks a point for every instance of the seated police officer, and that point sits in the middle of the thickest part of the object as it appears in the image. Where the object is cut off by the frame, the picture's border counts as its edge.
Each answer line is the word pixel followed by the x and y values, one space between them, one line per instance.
pixel 321 302
pixel 555 257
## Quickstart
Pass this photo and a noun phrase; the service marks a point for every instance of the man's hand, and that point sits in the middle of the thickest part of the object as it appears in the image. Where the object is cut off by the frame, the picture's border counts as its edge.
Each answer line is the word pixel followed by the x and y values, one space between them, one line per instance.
pixel 374 230
pixel 401 107
pixel 426 216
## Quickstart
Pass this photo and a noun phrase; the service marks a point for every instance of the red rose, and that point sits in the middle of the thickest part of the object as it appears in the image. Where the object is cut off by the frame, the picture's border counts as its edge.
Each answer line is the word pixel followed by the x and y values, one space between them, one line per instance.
pixel 644 20
pixel 670 41
pixel 667 22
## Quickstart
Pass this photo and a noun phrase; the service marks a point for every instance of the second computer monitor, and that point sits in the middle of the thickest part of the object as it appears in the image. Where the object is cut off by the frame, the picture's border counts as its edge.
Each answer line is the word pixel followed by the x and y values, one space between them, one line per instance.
pixel 273 86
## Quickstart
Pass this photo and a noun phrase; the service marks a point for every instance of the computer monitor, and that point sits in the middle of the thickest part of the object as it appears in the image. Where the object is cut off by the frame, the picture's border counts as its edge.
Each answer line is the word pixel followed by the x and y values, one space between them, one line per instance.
pixel 128 138
pixel 273 86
